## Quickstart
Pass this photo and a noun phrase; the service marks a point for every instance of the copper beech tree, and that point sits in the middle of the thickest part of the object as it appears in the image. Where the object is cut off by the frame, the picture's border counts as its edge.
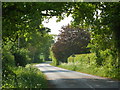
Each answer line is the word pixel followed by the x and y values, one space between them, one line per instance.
pixel 71 40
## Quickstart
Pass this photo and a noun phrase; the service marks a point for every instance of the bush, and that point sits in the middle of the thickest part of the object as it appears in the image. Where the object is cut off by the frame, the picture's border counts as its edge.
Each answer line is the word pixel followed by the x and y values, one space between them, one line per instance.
pixel 27 77
pixel 21 57
pixel 19 77
pixel 83 58
pixel 7 63
pixel 87 63
pixel 7 57
pixel 30 77
pixel 55 62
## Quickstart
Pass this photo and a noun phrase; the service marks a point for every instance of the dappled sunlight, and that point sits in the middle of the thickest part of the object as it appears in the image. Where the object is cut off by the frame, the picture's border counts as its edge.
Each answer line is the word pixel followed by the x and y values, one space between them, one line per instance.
pixel 82 37
pixel 62 78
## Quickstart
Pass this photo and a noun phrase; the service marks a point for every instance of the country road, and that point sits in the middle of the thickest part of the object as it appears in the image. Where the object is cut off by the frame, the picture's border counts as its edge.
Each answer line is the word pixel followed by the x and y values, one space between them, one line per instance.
pixel 62 78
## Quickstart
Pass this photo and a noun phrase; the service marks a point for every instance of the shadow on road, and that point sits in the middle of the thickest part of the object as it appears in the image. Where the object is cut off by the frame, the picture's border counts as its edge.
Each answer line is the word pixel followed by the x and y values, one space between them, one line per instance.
pixel 53 71
pixel 61 78
pixel 45 66
pixel 85 83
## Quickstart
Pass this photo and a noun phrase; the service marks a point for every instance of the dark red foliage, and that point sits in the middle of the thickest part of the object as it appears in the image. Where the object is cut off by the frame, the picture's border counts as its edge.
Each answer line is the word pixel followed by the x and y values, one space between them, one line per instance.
pixel 70 41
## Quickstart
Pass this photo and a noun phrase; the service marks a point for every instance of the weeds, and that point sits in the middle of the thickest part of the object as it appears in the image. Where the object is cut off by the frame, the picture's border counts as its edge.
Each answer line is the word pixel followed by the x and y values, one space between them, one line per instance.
pixel 87 63
pixel 27 77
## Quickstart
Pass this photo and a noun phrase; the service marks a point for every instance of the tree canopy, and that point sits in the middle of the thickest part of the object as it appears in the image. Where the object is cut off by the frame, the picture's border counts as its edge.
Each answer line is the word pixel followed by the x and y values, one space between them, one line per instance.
pixel 101 18
pixel 24 36
pixel 70 41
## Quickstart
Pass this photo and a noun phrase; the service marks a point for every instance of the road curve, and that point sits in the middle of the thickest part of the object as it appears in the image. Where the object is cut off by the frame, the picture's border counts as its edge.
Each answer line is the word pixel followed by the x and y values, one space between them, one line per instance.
pixel 62 78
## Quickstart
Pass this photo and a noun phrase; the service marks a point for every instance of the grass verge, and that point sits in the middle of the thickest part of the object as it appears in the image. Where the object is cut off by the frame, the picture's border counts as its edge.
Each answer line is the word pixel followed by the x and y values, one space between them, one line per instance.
pixel 103 71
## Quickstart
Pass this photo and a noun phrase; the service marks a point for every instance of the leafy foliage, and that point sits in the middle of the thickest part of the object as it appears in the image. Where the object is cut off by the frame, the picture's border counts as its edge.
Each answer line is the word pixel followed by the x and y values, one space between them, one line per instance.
pixel 7 57
pixel 102 19
pixel 7 63
pixel 22 19
pixel 25 37
pixel 70 41
pixel 55 62
pixel 25 78
pixel 21 57
pixel 87 63
pixel 38 44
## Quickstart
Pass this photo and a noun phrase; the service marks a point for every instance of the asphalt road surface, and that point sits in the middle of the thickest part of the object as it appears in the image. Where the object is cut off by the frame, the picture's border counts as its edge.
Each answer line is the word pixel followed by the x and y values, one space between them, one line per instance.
pixel 62 78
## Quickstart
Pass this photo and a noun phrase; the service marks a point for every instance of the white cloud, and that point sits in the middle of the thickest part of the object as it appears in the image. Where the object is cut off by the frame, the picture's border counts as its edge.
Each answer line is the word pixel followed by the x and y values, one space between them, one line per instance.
pixel 56 26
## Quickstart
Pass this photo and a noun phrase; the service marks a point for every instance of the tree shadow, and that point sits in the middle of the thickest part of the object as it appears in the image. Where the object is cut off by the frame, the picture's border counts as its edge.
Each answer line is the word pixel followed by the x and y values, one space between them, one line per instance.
pixel 55 71
pixel 45 66
pixel 92 84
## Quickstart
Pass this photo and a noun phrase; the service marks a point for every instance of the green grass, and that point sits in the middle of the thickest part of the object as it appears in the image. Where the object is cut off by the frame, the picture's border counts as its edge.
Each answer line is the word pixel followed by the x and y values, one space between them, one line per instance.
pixel 34 63
pixel 99 71
pixel 86 63
pixel 27 77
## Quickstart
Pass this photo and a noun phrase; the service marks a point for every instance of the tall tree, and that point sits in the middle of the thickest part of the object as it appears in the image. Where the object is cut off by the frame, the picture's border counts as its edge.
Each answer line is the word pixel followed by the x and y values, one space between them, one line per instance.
pixel 37 43
pixel 24 17
pixel 102 18
pixel 70 41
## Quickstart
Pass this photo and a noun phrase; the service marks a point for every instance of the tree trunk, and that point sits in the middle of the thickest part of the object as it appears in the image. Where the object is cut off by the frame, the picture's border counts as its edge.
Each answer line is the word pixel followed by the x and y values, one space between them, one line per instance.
pixel 116 36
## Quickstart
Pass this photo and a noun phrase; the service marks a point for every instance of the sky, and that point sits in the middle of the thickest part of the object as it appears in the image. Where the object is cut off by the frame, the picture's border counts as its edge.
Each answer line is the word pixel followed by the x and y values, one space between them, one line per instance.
pixel 56 26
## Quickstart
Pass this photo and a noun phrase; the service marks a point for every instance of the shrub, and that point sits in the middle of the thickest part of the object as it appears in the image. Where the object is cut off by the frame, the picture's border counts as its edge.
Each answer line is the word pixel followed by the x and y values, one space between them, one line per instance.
pixel 87 63
pixel 7 57
pixel 30 77
pixel 7 63
pixel 55 62
pixel 26 77
pixel 83 58
pixel 21 57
